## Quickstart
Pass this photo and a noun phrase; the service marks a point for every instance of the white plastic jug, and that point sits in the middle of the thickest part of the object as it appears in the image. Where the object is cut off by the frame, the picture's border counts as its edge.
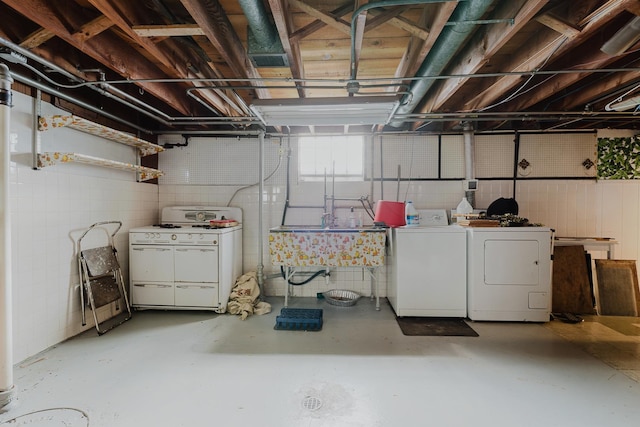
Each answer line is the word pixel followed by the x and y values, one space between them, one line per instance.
pixel 411 214
pixel 464 207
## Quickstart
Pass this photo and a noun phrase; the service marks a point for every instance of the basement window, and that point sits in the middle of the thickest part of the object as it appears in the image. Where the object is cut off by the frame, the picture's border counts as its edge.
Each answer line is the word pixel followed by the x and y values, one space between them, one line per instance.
pixel 319 155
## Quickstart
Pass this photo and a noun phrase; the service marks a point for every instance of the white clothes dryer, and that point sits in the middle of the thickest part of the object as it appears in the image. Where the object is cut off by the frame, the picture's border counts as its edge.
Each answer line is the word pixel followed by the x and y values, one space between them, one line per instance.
pixel 509 273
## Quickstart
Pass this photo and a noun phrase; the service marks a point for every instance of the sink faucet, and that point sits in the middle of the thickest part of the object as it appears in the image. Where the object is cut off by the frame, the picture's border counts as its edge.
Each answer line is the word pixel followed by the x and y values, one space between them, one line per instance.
pixel 327 221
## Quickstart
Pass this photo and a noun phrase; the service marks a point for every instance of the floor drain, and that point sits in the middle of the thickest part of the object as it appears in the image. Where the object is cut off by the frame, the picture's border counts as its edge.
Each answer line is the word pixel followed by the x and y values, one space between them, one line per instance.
pixel 311 403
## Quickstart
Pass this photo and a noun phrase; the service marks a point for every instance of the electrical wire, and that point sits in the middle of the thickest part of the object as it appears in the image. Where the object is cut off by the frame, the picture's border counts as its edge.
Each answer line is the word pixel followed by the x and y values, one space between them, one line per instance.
pixel 12 421
pixel 257 183
pixel 518 92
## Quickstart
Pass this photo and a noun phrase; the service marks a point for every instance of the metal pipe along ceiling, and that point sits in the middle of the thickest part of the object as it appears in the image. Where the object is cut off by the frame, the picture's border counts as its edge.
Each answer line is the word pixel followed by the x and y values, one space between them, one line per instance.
pixel 374 5
pixel 442 52
pixel 263 30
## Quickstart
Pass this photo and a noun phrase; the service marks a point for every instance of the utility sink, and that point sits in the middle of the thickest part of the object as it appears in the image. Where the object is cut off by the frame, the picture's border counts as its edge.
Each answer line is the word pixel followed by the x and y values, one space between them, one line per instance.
pixel 312 245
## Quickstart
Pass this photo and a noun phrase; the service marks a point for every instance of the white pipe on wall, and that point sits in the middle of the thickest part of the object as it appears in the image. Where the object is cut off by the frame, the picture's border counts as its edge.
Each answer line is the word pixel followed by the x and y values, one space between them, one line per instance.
pixel 469 161
pixel 7 388
pixel 261 200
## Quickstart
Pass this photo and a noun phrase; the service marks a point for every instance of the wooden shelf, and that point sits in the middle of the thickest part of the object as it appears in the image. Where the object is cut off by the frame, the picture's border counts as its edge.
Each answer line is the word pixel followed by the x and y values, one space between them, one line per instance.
pixel 54 158
pixel 78 123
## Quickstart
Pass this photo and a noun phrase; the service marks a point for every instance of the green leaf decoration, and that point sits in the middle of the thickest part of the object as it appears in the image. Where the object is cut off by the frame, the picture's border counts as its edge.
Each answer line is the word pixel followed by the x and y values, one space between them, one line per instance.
pixel 618 158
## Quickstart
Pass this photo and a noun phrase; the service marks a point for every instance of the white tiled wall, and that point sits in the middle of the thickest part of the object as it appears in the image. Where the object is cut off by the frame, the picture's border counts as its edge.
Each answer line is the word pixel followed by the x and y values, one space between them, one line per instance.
pixel 578 208
pixel 572 207
pixel 50 208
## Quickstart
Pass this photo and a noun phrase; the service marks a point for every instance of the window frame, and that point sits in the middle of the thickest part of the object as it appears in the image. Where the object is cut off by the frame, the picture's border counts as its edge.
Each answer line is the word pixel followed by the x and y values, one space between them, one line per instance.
pixel 341 174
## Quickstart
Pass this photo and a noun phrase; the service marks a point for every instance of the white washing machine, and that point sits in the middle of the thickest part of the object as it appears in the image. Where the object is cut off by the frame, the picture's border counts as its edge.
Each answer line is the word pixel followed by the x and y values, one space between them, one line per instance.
pixel 427 268
pixel 509 273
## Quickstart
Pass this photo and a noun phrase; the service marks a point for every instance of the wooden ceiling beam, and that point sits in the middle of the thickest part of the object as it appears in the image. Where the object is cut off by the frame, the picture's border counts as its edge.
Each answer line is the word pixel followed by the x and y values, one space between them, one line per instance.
pixel 328 19
pixel 556 84
pixel 211 17
pixel 392 17
pixel 282 19
pixel 483 48
pixel 558 25
pixel 595 21
pixel 358 37
pixel 584 97
pixel 316 25
pixel 92 28
pixel 593 57
pixel 106 48
pixel 174 30
pixel 634 8
pixel 175 62
pixel 37 38
pixel 609 84
pixel 418 48
pixel 547 49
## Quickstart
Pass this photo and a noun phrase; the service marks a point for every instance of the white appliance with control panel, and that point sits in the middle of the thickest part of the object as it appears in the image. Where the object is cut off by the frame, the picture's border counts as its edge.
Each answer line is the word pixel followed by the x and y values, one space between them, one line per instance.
pixel 426 268
pixel 189 261
pixel 509 273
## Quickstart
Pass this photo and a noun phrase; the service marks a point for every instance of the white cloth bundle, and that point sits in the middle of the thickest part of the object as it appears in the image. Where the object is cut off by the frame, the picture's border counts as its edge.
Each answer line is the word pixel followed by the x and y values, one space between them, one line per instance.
pixel 244 298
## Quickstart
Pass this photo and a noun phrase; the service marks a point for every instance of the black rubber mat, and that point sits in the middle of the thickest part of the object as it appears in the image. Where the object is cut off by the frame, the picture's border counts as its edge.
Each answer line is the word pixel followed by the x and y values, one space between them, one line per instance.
pixel 435 326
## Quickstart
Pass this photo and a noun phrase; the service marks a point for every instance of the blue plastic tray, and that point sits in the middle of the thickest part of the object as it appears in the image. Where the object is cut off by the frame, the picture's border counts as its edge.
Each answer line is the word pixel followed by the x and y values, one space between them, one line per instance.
pixel 299 319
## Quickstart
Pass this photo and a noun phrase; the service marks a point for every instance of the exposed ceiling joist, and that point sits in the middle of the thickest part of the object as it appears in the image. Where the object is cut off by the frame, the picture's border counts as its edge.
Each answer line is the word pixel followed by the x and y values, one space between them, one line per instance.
pixel 418 48
pixel 485 46
pixel 102 48
pixel 213 20
pixel 544 48
pixel 284 24
pixel 194 64
pixel 328 19
pixel 173 30
pixel 175 62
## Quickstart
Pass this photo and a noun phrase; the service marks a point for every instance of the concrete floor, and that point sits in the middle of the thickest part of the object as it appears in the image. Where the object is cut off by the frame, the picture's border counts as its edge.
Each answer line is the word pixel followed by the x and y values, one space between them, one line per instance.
pixel 190 369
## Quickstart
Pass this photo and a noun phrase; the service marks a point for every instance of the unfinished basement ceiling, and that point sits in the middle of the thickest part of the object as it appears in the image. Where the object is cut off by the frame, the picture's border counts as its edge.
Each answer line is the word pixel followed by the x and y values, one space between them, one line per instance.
pixel 199 65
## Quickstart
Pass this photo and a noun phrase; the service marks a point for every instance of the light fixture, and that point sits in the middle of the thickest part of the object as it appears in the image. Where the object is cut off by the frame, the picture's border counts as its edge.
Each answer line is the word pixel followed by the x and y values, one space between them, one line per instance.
pixel 626 37
pixel 360 110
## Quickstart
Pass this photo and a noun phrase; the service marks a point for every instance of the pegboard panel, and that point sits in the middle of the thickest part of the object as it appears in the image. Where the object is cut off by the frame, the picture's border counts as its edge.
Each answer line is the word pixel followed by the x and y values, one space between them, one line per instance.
pixel 216 161
pixel 557 155
pixel 416 155
pixel 494 156
pixel 452 156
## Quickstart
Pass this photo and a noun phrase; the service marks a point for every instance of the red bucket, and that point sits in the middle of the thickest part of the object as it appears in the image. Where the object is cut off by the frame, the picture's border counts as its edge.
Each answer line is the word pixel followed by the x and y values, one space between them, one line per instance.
pixel 391 213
